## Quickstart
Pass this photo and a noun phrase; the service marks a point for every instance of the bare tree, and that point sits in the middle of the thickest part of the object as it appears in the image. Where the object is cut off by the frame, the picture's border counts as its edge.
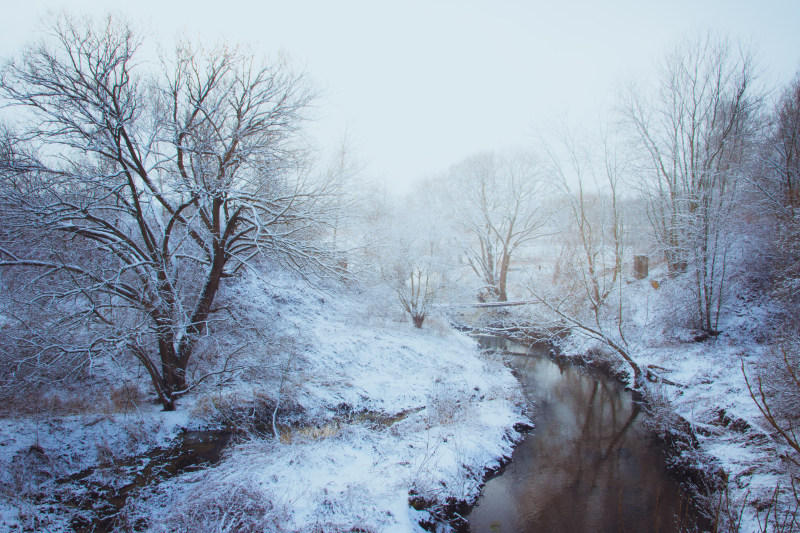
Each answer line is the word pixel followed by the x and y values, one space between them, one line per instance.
pixel 782 176
pixel 589 174
pixel 414 256
pixel 140 194
pixel 497 203
pixel 778 396
pixel 698 131
pixel 590 186
pixel 416 281
pixel 778 187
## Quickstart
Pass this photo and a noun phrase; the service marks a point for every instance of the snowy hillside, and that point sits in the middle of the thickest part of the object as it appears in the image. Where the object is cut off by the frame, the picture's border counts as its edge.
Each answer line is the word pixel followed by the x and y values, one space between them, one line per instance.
pixel 370 413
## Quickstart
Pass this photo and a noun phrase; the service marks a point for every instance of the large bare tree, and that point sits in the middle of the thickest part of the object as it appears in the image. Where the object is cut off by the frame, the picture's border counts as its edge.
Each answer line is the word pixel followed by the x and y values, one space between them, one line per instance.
pixel 129 196
pixel 498 206
pixel 698 129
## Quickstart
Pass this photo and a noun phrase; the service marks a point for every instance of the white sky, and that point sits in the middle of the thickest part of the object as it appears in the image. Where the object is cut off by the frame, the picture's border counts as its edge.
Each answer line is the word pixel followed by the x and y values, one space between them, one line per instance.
pixel 419 85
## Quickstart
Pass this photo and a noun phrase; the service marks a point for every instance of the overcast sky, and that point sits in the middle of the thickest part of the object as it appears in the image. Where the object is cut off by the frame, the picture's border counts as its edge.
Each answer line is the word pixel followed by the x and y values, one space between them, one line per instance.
pixel 419 85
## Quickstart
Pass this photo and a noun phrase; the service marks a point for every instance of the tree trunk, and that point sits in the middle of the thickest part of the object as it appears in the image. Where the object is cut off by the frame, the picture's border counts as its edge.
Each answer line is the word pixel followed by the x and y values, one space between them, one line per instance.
pixel 418 320
pixel 173 374
pixel 168 403
pixel 501 285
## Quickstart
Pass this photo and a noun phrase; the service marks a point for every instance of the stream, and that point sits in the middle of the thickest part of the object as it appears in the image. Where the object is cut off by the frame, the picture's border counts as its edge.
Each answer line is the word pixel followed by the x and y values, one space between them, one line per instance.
pixel 101 500
pixel 590 463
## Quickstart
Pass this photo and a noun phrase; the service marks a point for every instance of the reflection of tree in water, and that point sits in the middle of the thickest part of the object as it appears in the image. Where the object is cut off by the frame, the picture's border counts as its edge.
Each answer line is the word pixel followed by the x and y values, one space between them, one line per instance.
pixel 588 465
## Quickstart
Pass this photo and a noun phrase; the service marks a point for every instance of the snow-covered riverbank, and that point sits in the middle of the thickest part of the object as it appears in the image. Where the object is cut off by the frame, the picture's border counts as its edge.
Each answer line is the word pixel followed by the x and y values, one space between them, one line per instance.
pixel 457 411
pixel 700 379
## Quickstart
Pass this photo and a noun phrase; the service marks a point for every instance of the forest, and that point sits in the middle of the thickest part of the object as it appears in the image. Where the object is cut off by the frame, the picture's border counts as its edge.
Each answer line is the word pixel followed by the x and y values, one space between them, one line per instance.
pixel 178 261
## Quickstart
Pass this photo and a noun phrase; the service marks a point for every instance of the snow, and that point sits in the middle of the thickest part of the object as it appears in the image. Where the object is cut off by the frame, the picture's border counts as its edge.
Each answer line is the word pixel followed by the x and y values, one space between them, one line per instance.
pixel 378 414
pixel 443 414
pixel 77 441
pixel 360 477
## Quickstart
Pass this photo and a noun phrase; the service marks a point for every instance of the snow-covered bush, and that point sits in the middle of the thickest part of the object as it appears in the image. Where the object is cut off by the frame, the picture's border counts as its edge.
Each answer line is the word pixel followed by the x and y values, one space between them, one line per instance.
pixel 214 505
pixel 449 403
pixel 776 392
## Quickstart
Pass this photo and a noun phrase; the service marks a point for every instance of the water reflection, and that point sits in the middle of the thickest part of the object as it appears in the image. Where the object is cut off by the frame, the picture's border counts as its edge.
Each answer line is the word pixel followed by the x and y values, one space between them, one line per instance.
pixel 590 465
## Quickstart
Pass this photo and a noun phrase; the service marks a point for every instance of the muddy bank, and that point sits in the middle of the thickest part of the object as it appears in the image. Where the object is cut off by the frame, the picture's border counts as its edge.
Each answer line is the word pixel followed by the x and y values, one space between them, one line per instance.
pixel 99 494
pixel 454 512
pixel 96 497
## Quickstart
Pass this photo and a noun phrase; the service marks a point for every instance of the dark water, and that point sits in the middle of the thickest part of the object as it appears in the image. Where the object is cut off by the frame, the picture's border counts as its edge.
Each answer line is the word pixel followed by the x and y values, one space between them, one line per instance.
pixel 589 465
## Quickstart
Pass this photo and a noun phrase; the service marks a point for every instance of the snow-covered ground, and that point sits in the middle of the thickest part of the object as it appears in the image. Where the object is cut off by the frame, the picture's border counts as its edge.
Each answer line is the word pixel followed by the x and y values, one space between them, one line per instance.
pixel 381 424
pixel 376 413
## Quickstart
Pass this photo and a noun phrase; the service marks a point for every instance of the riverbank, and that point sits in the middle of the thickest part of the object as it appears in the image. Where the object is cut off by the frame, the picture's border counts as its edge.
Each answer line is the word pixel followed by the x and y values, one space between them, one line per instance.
pixel 370 414
pixel 696 390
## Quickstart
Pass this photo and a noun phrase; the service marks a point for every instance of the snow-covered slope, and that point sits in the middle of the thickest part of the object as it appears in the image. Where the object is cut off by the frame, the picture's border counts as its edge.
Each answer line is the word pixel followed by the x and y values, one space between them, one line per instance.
pixel 376 413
